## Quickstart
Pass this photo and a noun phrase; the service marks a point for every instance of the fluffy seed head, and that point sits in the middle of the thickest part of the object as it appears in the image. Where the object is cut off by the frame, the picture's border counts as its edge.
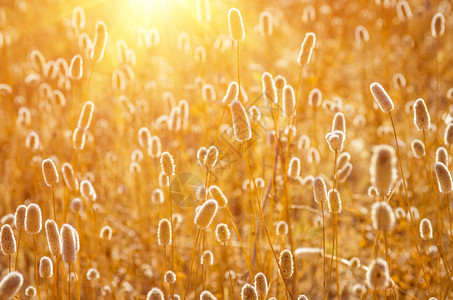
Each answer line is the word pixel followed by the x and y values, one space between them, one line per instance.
pixel 164 232
pixel 45 267
pixel 354 263
pixel 248 292
pixel 344 173
pixel 76 68
pixel 68 242
pixel 382 98
pixel 217 194
pixel 442 155
pixel 382 216
pixel 53 237
pixel 289 101
pixel 170 277
pixel 294 167
pixel 8 242
pixel 155 294
pixel 222 233
pixel 403 11
pixel 418 148
pixel 335 140
pixel 68 176
pixel 241 124
pixel 92 274
pixel 19 218
pixel 33 219
pixel 207 258
pixel 100 40
pixel 426 230
pixel 201 154
pixel 382 169
pixel 211 157
pixel 438 25
pixel 265 24
pixel 261 285
pixel 235 23
pixel 106 233
pixel 86 115
pixel 443 178
pixel 50 173
pixel 157 197
pixel 206 214
pixel 286 264
pixel 167 163
pixel 315 97
pixel 339 123
pixel 306 48
pixel 361 35
pixel 334 201
pixel 342 160
pixel 377 276
pixel 448 137
pixel 30 291
pixel 206 295
pixel 78 138
pixel 76 205
pixel 421 115
pixel 282 228
pixel 231 94
pixel 319 190
pixel 10 285
pixel 269 88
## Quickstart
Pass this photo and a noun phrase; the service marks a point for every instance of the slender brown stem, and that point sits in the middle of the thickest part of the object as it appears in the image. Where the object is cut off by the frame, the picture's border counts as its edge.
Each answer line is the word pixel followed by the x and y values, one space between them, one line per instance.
pixel 36 266
pixel 264 222
pixel 69 280
pixel 229 269
pixel 53 201
pixel 239 73
pixel 191 263
pixel 18 249
pixel 170 201
pixel 323 251
pixel 407 201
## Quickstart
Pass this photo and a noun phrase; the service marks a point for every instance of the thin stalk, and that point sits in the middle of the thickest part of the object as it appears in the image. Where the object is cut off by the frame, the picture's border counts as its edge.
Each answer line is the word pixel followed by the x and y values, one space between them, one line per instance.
pixel 36 266
pixel 229 269
pixel 264 222
pixel 407 200
pixel 323 251
pixel 53 201
pixel 191 263
pixel 18 249
pixel 172 232
pixel 239 73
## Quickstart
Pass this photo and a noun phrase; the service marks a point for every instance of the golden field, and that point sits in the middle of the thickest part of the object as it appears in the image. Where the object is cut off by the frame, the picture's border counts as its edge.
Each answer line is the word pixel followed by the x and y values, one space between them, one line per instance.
pixel 170 149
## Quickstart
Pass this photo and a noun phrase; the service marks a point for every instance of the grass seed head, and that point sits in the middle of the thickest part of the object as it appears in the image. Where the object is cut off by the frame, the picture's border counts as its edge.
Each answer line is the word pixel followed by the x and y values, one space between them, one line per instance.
pixel 86 115
pixel 236 26
pixel 248 292
pixel 167 163
pixel 33 219
pixel 442 155
pixel 377 276
pixel 100 40
pixel 426 229
pixel 10 285
pixel 76 68
pixel 319 190
pixel 286 262
pixel 382 169
pixel 443 178
pixel 438 25
pixel 382 98
pixel 53 237
pixel 334 201
pixel 306 49
pixel 19 218
pixel 155 294
pixel 8 242
pixel 164 232
pixel 382 216
pixel 261 285
pixel 206 214
pixel 45 267
pixel 222 233
pixel 68 243
pixel 241 124
pixel 50 173
pixel 422 119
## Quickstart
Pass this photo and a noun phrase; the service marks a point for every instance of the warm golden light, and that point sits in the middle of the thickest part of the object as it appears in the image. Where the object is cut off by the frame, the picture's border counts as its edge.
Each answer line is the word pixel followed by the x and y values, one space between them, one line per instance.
pixel 226 149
